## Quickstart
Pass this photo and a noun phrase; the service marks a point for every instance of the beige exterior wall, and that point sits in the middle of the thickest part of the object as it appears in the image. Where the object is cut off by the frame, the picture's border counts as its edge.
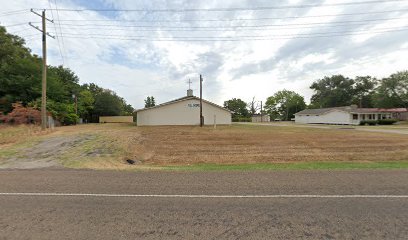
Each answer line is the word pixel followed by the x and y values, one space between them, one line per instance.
pixel 185 112
pixel 265 118
pixel 332 117
pixel 116 119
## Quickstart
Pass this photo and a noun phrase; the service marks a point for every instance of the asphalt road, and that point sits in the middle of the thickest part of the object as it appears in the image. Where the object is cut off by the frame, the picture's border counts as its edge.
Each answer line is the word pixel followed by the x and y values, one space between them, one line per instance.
pixel 204 205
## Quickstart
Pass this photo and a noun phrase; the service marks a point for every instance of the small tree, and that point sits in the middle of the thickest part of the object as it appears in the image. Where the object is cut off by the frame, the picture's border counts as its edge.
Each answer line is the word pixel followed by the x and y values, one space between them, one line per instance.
pixel 150 102
pixel 253 106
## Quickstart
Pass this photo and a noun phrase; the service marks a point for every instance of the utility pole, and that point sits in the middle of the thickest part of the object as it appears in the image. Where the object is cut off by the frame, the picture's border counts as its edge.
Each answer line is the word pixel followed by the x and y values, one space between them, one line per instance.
pixel 44 67
pixel 261 113
pixel 201 102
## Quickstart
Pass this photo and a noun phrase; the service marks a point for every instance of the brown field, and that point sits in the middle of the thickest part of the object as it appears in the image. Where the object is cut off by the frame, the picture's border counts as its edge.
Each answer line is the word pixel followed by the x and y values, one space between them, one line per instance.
pixel 260 144
pixel 104 146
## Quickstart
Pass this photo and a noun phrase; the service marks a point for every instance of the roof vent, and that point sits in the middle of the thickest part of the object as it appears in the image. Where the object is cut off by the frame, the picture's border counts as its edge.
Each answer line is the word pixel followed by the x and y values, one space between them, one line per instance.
pixel 189 92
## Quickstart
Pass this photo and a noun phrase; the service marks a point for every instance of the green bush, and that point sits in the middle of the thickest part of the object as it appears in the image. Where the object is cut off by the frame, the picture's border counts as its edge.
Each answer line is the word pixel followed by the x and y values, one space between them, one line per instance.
pixel 241 119
pixel 369 122
pixel 387 121
pixel 71 119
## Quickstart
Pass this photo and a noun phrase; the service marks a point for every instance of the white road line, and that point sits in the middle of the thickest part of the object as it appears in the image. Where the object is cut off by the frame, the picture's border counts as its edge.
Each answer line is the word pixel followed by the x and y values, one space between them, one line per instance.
pixel 199 196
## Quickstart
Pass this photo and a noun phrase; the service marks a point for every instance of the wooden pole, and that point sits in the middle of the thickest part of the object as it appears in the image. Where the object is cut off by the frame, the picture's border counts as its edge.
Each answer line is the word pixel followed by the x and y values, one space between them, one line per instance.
pixel 44 75
pixel 201 102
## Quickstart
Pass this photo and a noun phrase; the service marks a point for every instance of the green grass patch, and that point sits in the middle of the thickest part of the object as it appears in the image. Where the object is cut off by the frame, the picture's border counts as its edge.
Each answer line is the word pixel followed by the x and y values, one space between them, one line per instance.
pixel 289 166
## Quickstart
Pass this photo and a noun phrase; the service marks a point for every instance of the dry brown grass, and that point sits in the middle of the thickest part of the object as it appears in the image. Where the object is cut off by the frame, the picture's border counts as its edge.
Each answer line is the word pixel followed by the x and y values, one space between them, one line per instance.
pixel 10 134
pixel 261 144
pixel 107 146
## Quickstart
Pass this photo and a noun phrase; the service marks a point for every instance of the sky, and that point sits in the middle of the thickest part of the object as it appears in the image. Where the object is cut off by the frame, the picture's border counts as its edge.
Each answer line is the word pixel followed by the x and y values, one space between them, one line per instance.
pixel 243 48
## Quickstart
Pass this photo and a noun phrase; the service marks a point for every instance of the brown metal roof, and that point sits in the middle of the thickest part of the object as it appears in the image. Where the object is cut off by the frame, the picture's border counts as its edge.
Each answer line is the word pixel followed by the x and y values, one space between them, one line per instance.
pixel 349 109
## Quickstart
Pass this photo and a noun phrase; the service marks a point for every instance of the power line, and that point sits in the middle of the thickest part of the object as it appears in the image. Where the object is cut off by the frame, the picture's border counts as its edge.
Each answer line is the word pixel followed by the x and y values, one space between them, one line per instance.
pixel 14 12
pixel 15 25
pixel 58 18
pixel 229 27
pixel 56 34
pixel 220 30
pixel 240 36
pixel 29 36
pixel 235 19
pixel 250 38
pixel 234 9
pixel 21 30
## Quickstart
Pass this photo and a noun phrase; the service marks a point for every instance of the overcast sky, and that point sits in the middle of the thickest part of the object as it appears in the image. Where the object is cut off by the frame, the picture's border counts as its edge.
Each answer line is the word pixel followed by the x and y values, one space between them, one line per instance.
pixel 240 52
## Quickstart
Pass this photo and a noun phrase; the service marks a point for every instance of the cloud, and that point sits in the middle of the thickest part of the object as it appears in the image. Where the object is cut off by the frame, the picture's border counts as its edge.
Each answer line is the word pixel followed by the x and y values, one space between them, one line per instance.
pixel 135 69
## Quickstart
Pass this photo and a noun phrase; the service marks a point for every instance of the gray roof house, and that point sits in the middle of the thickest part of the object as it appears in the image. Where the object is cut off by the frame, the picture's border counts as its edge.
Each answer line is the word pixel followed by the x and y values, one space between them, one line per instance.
pixel 349 115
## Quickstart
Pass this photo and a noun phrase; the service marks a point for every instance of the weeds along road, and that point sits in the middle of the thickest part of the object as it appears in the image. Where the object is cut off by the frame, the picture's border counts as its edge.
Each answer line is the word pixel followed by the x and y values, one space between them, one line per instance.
pixel 82 204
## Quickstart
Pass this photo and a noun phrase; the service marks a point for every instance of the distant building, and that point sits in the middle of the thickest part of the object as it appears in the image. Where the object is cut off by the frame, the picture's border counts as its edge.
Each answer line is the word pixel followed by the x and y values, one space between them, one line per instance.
pixel 261 118
pixel 183 111
pixel 350 115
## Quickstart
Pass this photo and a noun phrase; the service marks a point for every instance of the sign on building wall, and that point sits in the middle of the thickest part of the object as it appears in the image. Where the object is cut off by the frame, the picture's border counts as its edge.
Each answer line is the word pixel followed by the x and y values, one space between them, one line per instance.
pixel 193 105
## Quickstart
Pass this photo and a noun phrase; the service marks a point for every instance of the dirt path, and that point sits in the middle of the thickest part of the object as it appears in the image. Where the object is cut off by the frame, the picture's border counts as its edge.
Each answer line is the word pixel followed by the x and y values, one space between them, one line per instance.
pixel 45 153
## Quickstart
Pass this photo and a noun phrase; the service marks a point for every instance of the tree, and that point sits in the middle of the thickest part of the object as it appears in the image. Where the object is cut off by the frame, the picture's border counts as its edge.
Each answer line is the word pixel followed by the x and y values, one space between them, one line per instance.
pixel 64 83
pixel 364 88
pixel 85 103
pixel 20 82
pixel 238 107
pixel 334 91
pixel 20 78
pixel 150 102
pixel 253 106
pixel 284 104
pixel 393 91
pixel 108 103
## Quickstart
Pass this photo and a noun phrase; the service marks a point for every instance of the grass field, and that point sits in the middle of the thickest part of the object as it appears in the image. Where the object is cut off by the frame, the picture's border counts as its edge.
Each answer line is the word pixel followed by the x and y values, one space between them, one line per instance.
pixel 236 147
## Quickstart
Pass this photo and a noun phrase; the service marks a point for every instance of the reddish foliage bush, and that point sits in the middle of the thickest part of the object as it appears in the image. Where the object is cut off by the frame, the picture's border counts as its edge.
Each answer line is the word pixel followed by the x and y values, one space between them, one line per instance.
pixel 21 115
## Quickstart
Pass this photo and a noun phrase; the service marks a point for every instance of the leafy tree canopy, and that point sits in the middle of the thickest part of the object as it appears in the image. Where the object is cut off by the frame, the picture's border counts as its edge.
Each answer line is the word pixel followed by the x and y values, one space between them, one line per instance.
pixel 20 81
pixel 393 91
pixel 334 91
pixel 150 102
pixel 284 104
pixel 238 107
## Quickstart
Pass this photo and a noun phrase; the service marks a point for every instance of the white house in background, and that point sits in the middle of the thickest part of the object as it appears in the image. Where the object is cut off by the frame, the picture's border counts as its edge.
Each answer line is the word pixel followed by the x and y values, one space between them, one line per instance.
pixel 183 111
pixel 350 115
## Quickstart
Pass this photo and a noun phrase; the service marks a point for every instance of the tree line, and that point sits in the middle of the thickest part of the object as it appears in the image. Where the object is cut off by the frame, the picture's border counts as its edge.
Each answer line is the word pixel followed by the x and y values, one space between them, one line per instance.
pixel 333 91
pixel 67 100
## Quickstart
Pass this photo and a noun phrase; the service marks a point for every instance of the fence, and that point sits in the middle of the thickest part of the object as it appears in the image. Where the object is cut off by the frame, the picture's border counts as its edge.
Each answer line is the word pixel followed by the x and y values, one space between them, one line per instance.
pixel 115 119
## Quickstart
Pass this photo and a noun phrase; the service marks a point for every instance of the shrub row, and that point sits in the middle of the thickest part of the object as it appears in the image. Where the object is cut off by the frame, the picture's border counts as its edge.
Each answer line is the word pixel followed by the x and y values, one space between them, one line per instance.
pixel 380 122
pixel 242 119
